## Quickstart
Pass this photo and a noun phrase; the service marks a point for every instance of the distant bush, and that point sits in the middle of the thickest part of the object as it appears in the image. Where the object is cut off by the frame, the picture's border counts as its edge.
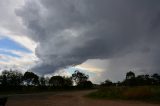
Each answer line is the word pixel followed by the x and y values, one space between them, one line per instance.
pixel 107 92
pixel 85 85
pixel 106 83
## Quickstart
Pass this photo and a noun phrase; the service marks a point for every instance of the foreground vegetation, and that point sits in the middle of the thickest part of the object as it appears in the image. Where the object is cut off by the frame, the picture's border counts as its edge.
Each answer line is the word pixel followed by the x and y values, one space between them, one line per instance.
pixel 141 87
pixel 144 93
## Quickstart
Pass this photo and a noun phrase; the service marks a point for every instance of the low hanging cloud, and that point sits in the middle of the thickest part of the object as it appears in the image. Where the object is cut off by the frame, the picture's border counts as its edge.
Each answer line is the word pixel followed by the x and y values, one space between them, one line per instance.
pixel 69 32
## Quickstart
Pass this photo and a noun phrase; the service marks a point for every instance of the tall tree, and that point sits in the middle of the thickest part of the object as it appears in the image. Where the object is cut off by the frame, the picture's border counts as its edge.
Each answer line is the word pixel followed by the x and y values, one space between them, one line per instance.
pixel 31 78
pixel 130 75
pixel 156 79
pixel 57 81
pixel 79 77
pixel 130 79
pixel 68 81
pixel 11 78
pixel 81 80
pixel 42 81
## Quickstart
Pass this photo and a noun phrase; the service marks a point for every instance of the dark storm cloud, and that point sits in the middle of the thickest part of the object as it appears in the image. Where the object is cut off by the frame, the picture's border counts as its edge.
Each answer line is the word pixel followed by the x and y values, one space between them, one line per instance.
pixel 70 32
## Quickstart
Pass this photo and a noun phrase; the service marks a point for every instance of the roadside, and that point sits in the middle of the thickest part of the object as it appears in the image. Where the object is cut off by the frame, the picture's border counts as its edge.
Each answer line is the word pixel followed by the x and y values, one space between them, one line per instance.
pixel 75 98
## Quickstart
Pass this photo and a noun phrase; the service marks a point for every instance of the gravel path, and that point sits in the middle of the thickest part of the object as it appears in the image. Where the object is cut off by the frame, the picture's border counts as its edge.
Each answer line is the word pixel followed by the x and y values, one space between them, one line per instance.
pixel 67 99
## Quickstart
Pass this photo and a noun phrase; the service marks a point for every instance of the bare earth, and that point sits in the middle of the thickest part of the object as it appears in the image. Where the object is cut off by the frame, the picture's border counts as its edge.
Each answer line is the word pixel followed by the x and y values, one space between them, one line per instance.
pixel 67 99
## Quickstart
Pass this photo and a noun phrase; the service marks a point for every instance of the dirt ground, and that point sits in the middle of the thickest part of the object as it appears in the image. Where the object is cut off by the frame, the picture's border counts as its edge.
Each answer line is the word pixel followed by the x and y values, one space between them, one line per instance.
pixel 75 98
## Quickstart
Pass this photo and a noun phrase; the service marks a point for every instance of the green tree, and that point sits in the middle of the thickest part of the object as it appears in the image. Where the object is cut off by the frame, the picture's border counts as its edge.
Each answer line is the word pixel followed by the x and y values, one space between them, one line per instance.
pixel 81 80
pixel 42 81
pixel 107 83
pixel 68 81
pixel 85 84
pixel 130 75
pixel 31 78
pixel 130 79
pixel 156 79
pixel 143 80
pixel 11 78
pixel 79 77
pixel 57 81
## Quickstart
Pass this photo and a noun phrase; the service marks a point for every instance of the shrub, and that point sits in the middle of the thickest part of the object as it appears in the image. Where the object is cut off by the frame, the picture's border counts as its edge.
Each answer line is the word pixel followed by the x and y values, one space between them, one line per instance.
pixel 137 93
pixel 146 93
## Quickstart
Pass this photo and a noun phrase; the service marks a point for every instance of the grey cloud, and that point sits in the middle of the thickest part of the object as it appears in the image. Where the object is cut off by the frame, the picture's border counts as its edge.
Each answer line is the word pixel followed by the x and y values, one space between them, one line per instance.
pixel 70 32
pixel 8 18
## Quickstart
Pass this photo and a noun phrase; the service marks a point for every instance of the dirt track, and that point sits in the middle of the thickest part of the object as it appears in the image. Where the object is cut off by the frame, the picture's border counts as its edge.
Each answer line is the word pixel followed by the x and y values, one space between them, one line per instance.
pixel 67 99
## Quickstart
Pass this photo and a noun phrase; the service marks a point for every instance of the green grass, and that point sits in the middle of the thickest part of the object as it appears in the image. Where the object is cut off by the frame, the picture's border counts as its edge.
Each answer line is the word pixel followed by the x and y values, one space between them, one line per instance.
pixel 144 93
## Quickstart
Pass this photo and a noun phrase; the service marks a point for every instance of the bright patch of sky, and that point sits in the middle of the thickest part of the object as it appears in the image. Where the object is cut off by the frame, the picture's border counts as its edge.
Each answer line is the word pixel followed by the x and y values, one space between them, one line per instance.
pixel 14 55
pixel 9 53
pixel 7 43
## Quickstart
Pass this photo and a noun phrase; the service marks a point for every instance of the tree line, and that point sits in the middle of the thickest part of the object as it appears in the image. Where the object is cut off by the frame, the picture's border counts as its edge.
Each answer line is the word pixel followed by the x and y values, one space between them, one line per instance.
pixel 15 80
pixel 133 80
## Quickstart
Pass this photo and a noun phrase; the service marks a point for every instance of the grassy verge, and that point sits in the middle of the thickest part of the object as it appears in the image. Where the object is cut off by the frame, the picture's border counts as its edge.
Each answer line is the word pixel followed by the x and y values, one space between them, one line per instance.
pixel 33 89
pixel 143 93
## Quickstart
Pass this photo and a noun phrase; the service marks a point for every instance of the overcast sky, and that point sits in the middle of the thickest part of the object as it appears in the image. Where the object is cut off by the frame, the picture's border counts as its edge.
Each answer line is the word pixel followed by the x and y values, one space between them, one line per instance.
pixel 103 38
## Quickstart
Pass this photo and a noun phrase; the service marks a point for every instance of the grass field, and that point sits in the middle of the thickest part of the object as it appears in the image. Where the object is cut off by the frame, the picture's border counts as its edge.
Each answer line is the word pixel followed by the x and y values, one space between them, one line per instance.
pixel 144 93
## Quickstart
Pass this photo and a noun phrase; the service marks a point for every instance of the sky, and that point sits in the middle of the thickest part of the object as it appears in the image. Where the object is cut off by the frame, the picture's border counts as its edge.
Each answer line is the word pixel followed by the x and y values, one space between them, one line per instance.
pixel 104 39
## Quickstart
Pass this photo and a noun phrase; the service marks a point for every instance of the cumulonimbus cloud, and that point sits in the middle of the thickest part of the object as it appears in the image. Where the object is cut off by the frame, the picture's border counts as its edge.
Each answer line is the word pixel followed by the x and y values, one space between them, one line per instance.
pixel 69 32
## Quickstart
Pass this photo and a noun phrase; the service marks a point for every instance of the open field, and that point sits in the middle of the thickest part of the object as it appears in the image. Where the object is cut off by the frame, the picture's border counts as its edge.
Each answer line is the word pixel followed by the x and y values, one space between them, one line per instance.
pixel 75 98
pixel 149 94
